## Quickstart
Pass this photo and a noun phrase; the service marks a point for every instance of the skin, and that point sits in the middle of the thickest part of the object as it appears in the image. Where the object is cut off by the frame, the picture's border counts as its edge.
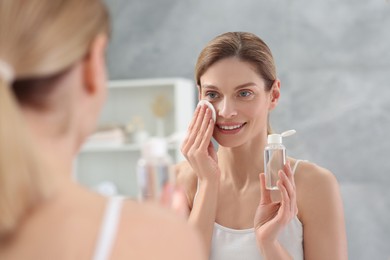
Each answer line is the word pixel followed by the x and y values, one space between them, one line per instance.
pixel 231 184
pixel 66 225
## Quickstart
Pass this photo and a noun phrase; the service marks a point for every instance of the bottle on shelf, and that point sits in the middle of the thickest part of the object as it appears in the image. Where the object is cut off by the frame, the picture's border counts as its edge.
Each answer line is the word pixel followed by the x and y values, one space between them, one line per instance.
pixel 154 169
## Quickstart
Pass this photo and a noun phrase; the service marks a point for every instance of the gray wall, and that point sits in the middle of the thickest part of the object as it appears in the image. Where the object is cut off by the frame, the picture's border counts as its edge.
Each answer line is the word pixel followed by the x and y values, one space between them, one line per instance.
pixel 333 58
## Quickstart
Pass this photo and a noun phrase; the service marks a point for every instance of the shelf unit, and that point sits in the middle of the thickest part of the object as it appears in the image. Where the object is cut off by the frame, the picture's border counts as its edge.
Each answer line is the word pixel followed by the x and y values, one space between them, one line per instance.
pixel 116 164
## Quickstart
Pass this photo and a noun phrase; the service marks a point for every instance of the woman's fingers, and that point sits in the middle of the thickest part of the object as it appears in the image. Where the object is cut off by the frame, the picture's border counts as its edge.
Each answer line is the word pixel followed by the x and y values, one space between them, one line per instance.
pixel 197 148
pixel 287 183
pixel 290 193
pixel 211 151
pixel 291 188
pixel 206 140
pixel 289 173
pixel 195 117
pixel 265 195
pixel 200 135
pixel 285 208
pixel 185 144
pixel 196 125
pixel 192 123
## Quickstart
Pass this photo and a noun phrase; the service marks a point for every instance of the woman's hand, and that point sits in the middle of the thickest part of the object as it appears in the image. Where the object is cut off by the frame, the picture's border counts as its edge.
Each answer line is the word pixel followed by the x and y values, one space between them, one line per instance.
pixel 202 157
pixel 197 146
pixel 272 217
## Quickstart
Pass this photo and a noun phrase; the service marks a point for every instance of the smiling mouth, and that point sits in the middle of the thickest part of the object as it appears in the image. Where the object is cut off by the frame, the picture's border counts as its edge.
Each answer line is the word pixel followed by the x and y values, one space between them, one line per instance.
pixel 230 127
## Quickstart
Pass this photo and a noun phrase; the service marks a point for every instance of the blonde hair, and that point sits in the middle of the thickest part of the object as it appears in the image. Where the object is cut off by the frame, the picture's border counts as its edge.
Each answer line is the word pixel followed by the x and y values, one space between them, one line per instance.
pixel 244 46
pixel 38 39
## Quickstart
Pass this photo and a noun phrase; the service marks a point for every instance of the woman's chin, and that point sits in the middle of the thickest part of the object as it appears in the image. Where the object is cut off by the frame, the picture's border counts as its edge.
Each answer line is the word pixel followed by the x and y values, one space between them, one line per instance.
pixel 227 142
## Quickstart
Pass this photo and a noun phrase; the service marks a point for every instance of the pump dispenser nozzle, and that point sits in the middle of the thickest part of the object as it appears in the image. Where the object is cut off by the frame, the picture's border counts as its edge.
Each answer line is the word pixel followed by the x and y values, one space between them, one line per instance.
pixel 288 133
pixel 277 138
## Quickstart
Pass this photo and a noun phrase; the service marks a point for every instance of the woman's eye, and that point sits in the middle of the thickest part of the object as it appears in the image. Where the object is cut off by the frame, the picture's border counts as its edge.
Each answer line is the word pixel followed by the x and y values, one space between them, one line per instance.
pixel 211 95
pixel 245 93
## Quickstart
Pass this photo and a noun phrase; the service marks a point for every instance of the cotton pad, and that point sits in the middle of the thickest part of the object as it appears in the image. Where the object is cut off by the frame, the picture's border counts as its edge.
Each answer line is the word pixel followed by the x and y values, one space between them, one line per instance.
pixel 214 115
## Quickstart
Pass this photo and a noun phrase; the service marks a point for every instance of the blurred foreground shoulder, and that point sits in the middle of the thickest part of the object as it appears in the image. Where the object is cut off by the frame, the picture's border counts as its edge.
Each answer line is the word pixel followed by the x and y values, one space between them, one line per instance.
pixel 154 232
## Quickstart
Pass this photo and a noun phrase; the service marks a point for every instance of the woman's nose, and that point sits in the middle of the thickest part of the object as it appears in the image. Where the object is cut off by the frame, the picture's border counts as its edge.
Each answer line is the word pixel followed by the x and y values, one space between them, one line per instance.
pixel 226 109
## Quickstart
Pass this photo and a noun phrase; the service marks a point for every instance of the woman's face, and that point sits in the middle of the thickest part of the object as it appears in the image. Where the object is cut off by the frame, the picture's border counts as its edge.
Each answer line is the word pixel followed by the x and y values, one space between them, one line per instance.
pixel 238 95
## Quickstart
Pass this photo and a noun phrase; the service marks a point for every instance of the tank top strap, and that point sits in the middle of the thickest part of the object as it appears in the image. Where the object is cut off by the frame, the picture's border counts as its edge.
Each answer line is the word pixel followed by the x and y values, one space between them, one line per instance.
pixel 108 228
pixel 296 165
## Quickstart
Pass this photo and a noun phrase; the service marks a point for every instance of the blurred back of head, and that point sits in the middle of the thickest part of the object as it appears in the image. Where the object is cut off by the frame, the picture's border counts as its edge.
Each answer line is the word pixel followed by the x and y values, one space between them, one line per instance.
pixel 39 39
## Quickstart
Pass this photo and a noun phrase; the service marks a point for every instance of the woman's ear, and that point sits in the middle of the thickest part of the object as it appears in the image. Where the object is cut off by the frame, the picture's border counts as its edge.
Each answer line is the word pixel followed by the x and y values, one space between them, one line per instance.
pixel 95 77
pixel 274 94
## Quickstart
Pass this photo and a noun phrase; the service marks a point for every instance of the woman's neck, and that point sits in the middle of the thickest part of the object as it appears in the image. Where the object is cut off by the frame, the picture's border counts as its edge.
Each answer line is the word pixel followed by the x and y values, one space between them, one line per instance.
pixel 58 149
pixel 240 166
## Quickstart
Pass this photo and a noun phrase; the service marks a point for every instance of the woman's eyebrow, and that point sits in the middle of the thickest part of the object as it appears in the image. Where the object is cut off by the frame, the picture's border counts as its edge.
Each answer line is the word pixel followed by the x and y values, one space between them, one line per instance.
pixel 248 84
pixel 211 86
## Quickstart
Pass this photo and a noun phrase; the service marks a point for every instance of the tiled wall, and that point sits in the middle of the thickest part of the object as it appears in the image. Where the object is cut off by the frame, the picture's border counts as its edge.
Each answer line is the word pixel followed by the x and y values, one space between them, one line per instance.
pixel 333 58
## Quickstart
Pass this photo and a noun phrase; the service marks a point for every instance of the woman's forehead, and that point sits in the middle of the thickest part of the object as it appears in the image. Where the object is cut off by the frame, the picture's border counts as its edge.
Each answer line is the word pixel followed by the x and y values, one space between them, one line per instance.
pixel 233 80
pixel 230 70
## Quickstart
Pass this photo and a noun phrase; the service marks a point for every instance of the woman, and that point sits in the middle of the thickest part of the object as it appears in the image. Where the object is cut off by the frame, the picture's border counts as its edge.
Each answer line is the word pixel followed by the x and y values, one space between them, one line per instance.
pixel 237 216
pixel 52 87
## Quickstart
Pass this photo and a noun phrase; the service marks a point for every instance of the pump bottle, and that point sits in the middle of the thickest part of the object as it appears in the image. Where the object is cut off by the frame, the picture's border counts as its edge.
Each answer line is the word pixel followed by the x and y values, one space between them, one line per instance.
pixel 274 158
pixel 154 169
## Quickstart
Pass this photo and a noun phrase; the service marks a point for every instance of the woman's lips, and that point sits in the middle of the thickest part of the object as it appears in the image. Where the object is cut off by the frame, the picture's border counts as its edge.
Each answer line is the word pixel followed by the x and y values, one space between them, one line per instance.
pixel 231 128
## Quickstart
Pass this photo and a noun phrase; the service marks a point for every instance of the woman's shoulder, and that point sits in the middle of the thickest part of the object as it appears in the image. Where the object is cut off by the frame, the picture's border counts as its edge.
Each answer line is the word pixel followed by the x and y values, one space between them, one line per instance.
pixel 149 225
pixel 309 174
pixel 316 187
pixel 148 215
pixel 184 170
pixel 185 173
pixel 187 179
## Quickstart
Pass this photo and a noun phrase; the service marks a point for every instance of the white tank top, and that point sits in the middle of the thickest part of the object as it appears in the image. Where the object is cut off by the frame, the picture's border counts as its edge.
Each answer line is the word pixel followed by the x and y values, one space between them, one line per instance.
pixel 236 244
pixel 108 229
pixel 229 244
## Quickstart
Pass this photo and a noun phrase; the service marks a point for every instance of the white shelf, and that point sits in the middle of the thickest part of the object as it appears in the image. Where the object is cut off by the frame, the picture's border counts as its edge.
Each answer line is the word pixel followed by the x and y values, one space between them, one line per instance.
pixel 128 99
pixel 117 148
pixel 156 82
pixel 112 148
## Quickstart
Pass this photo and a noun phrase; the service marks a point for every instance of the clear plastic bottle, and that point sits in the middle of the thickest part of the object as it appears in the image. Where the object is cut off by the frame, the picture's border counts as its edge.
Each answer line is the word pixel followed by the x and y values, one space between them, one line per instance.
pixel 154 169
pixel 274 158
